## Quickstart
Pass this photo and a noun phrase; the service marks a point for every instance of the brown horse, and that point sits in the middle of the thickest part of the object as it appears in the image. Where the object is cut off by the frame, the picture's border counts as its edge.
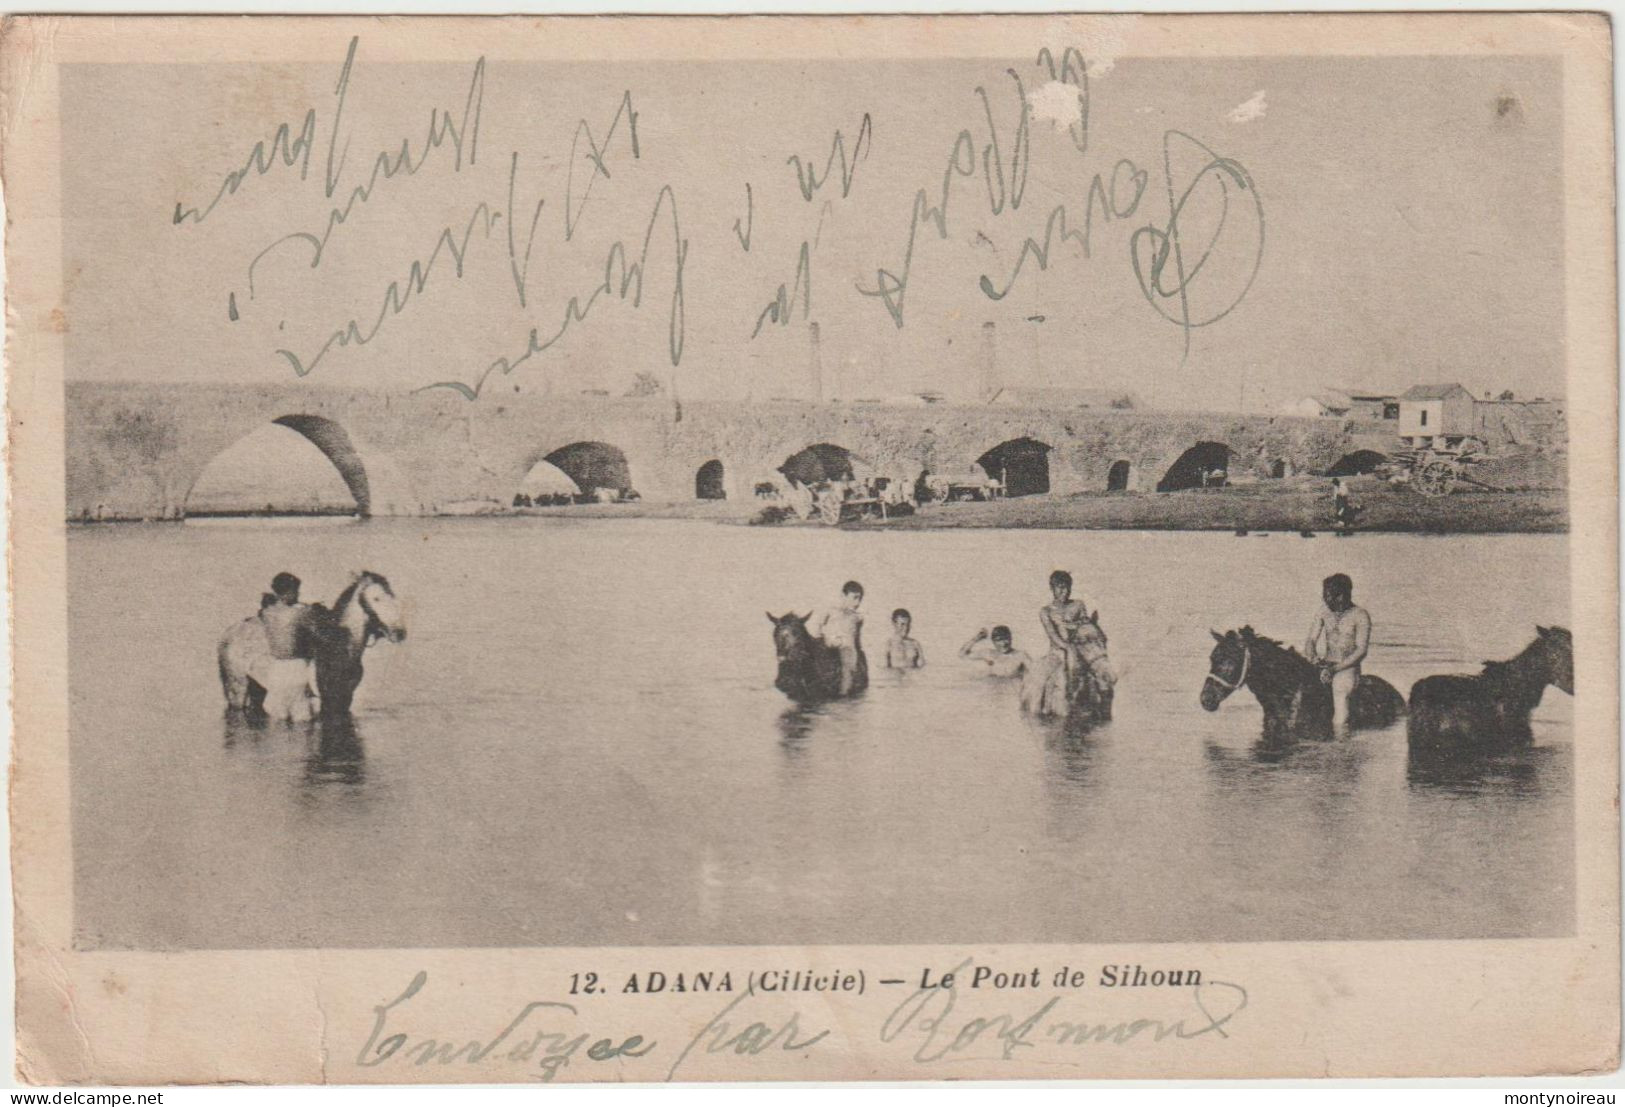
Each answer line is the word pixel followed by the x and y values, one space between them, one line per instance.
pixel 809 670
pixel 1490 710
pixel 1297 704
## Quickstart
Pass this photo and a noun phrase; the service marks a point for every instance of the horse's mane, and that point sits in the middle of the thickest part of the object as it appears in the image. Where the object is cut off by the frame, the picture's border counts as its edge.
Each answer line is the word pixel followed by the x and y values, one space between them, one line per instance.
pixel 1252 638
pixel 1495 669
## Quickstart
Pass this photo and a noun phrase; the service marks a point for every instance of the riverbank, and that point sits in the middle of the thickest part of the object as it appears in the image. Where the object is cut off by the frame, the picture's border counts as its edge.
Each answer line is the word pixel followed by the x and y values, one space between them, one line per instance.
pixel 1383 509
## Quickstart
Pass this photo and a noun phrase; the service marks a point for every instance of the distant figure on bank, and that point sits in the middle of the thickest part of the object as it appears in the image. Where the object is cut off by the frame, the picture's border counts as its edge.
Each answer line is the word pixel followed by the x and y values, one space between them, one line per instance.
pixel 903 652
pixel 1339 639
pixel 1340 502
pixel 995 649
pixel 842 627
pixel 288 686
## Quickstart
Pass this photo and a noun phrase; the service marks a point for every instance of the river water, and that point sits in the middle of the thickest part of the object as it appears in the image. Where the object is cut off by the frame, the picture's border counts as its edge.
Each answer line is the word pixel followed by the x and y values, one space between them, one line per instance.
pixel 579 743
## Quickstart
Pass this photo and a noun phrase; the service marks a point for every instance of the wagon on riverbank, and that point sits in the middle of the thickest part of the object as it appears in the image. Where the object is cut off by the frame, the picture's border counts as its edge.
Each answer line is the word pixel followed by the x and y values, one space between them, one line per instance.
pixel 1437 472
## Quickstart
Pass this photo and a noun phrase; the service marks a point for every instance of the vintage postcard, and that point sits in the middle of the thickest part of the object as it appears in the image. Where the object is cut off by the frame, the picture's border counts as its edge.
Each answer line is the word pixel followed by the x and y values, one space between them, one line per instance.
pixel 650 549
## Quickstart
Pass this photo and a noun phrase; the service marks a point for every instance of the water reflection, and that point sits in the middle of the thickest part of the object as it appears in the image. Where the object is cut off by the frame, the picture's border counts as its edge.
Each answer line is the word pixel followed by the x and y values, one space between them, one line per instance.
pixel 1513 772
pixel 243 728
pixel 337 755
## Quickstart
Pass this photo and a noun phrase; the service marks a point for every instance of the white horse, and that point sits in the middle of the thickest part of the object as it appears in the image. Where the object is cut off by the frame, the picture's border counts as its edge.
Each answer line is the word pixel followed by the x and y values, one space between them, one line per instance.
pixel 334 641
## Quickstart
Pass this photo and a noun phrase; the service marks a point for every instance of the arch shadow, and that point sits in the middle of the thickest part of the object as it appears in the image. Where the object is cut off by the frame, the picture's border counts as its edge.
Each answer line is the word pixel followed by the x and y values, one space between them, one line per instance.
pixel 1021 465
pixel 709 483
pixel 1188 470
pixel 593 465
pixel 1357 464
pixel 1117 477
pixel 822 461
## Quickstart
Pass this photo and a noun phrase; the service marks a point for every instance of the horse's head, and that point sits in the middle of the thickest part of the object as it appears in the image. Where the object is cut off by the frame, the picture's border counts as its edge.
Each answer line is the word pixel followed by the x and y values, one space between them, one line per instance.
pixel 1227 666
pixel 790 635
pixel 378 600
pixel 1558 645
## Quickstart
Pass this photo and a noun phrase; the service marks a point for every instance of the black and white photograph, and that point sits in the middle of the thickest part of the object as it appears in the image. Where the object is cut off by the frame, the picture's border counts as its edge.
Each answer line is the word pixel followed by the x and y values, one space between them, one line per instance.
pixel 1047 489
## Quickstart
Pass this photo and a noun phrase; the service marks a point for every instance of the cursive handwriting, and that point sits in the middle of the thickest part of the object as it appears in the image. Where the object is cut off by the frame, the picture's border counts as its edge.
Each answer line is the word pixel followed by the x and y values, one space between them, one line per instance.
pixel 1111 207
pixel 891 286
pixel 399 295
pixel 622 280
pixel 927 1022
pixel 1193 266
pixel 262 159
pixel 749 1039
pixel 1153 247
pixel 807 178
pixel 550 1050
pixel 390 163
pixel 595 154
pixel 779 310
pixel 750 220
pixel 1073 71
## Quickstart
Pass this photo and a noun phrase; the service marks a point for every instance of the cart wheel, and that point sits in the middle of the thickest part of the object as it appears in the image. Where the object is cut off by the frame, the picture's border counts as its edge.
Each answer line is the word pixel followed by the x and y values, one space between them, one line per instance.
pixel 1436 479
pixel 830 509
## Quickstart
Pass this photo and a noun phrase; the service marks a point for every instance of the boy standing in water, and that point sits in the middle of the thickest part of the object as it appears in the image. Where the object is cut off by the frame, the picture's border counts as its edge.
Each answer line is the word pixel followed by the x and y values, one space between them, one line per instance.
pixel 287 686
pixel 842 627
pixel 903 652
pixel 1339 639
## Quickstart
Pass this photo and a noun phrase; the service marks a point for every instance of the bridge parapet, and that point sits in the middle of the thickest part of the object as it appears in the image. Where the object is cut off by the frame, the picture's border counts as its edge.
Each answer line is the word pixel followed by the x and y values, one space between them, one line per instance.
pixel 135 451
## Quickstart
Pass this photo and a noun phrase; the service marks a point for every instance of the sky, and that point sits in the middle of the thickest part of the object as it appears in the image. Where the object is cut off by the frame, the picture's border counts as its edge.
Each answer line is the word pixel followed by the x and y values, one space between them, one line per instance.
pixel 1340 222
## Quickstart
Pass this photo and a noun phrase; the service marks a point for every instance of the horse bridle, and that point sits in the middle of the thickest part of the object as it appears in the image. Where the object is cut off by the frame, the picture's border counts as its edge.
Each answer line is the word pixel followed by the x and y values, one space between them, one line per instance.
pixel 375 625
pixel 1241 677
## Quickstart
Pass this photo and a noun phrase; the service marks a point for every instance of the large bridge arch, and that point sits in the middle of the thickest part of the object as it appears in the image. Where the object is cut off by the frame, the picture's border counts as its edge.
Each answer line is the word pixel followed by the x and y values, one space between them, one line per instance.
pixel 375 483
pixel 591 464
pixel 824 461
pixel 1188 469
pixel 1021 464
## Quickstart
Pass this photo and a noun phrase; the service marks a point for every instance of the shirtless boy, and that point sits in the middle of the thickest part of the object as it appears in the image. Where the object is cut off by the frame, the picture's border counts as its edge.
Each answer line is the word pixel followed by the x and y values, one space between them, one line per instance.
pixel 842 627
pixel 903 652
pixel 997 651
pixel 1339 639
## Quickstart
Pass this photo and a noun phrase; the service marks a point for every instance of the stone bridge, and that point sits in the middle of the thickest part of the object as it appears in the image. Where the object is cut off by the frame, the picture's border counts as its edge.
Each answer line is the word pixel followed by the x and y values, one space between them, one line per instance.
pixel 135 451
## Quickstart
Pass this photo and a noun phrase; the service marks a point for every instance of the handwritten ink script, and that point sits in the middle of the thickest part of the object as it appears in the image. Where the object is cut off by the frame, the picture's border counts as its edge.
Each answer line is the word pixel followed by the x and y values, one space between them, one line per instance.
pixel 553 225
pixel 970 1012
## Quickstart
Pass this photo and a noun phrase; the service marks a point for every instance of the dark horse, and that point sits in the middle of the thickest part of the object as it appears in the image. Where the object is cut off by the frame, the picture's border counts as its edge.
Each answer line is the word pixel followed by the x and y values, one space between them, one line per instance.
pixel 1491 710
pixel 809 670
pixel 364 612
pixel 1288 686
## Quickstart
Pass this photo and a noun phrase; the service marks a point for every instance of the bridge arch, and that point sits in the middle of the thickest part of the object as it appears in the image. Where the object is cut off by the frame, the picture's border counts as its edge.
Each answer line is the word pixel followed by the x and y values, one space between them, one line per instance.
pixel 1187 470
pixel 592 465
pixel 232 480
pixel 709 481
pixel 1357 464
pixel 1120 476
pixel 823 461
pixel 1020 464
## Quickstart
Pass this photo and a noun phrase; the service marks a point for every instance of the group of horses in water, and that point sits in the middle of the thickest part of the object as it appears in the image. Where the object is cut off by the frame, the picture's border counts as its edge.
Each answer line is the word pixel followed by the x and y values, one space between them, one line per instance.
pixel 1446 715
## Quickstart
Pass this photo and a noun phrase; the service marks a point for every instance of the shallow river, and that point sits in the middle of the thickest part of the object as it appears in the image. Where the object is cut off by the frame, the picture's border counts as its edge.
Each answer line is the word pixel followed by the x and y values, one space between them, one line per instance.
pixel 579 743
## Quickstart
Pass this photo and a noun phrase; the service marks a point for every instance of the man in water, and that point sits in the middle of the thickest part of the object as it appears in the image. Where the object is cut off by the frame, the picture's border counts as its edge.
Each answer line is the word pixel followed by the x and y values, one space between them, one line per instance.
pixel 903 652
pixel 1339 639
pixel 287 625
pixel 842 627
pixel 997 651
